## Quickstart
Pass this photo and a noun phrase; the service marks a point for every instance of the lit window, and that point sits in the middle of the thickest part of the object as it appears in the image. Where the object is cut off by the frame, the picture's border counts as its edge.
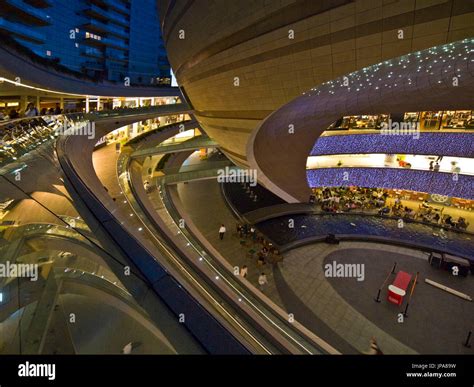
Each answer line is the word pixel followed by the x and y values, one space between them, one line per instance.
pixel 48 52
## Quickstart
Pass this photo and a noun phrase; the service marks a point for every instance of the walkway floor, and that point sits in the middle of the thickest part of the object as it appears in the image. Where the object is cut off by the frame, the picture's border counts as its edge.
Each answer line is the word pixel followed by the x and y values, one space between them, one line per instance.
pixel 298 284
pixel 105 165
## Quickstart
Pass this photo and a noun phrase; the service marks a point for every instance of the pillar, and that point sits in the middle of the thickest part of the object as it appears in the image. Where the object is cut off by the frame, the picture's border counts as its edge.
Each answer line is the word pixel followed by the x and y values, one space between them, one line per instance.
pixel 23 103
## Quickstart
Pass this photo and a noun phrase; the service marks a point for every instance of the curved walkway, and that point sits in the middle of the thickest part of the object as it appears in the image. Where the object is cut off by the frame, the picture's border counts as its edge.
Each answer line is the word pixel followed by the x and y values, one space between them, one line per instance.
pixel 310 298
pixel 403 84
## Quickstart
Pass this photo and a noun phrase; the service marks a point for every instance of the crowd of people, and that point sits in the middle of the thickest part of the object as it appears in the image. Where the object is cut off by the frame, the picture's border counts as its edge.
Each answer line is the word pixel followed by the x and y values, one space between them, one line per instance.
pixel 426 213
pixel 344 199
pixel 265 251
pixel 430 214
pixel 30 111
pixel 357 199
pixel 260 249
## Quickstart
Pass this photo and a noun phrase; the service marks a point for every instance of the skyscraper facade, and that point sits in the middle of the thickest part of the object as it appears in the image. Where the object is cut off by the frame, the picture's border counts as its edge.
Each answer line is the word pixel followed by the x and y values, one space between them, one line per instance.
pixel 105 40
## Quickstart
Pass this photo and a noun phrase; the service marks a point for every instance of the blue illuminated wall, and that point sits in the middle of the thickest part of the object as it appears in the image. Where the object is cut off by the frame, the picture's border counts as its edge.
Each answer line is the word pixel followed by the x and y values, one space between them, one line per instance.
pixel 393 178
pixel 429 143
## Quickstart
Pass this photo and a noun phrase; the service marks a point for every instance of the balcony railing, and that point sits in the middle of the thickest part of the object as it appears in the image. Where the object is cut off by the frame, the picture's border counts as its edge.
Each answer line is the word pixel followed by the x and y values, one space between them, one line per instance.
pixel 116 43
pixel 117 5
pixel 39 3
pixel 120 32
pixel 22 31
pixel 106 15
pixel 95 25
pixel 26 12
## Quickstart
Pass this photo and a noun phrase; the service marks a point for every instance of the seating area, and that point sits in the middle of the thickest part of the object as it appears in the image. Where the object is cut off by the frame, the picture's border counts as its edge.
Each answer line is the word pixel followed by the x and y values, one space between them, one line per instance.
pixel 363 227
pixel 374 201
pixel 345 199
pixel 362 214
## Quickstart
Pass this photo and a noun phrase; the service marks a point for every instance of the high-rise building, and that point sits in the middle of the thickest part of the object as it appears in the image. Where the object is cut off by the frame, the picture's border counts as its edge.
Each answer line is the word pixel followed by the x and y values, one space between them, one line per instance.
pixel 115 41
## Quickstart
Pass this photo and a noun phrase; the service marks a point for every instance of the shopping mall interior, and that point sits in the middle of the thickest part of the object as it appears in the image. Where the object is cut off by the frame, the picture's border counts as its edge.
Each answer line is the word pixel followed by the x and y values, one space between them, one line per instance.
pixel 236 177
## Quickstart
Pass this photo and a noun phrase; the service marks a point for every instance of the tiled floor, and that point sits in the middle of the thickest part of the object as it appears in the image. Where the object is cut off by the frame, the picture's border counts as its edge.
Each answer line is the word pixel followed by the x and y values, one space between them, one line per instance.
pixel 298 284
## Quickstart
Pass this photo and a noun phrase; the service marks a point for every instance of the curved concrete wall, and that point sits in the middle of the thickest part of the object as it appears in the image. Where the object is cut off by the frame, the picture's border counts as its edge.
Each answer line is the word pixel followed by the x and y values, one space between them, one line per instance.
pixel 13 65
pixel 441 78
pixel 139 252
pixel 249 39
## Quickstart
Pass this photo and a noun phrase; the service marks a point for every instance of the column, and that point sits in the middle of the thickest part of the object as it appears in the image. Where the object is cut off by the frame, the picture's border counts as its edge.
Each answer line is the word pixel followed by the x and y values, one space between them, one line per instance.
pixel 23 103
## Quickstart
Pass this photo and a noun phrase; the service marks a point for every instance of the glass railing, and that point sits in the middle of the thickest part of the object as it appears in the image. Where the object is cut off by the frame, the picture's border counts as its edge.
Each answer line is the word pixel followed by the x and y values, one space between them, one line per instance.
pixel 35 12
pixel 188 143
pixel 63 287
pixel 35 258
pixel 117 30
pixel 107 28
pixel 115 17
pixel 173 257
pixel 183 236
pixel 98 24
pixel 286 328
pixel 118 6
pixel 109 15
pixel 115 43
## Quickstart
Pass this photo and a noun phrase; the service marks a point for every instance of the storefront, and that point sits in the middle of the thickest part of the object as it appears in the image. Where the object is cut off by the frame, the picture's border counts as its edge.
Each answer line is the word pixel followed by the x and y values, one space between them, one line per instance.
pixel 428 120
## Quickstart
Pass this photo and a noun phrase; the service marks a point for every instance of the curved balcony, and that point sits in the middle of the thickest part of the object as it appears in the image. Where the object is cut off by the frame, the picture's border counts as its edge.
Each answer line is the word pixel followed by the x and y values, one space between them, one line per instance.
pixel 27 13
pixel 441 183
pixel 420 81
pixel 42 229
pixel 43 75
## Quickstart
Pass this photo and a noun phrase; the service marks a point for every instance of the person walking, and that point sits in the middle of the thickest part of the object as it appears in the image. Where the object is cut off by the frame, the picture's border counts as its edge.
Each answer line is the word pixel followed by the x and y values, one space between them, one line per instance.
pixel 222 231
pixel 127 349
pixel 244 271
pixel 262 281
pixel 253 233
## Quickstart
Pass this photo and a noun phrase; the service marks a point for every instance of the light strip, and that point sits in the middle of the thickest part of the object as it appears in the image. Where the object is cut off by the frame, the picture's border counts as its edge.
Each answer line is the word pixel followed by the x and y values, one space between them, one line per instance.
pixel 3 79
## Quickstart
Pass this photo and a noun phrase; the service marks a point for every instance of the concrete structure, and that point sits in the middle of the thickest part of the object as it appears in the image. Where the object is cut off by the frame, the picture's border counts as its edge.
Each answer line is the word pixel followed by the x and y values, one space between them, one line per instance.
pixel 238 63
pixel 101 39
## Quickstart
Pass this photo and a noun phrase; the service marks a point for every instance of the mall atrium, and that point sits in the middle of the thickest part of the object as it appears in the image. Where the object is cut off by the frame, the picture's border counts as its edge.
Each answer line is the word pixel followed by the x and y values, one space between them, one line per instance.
pixel 236 177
